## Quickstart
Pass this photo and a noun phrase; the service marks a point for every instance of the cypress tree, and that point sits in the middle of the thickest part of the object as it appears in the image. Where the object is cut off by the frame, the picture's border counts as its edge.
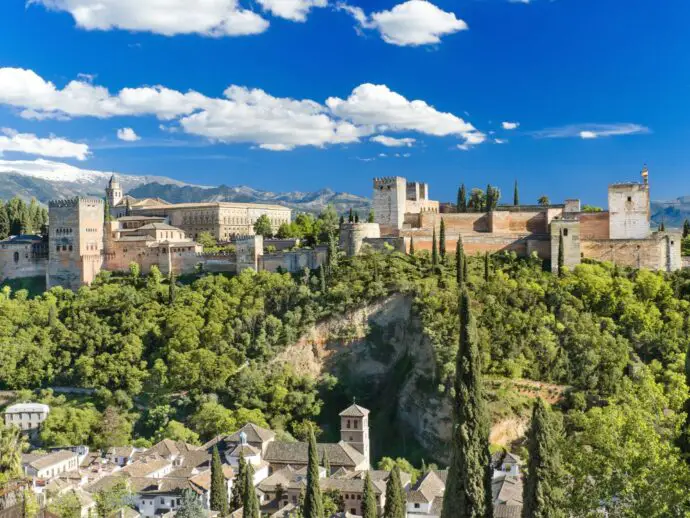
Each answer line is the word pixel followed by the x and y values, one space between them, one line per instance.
pixel 369 508
pixel 487 267
pixel 351 217
pixel 326 463
pixel 442 241
pixel 172 288
pixel 460 264
pixel 489 198
pixel 434 249
pixel 462 199
pixel 370 218
pixel 412 246
pixel 342 220
pixel 516 195
pixel 686 228
pixel 395 500
pixel 313 504
pixel 542 496
pixel 662 227
pixel 468 489
pixel 128 209
pixel 561 255
pixel 250 502
pixel 238 488
pixel 219 490
pixel 106 214
pixel 356 217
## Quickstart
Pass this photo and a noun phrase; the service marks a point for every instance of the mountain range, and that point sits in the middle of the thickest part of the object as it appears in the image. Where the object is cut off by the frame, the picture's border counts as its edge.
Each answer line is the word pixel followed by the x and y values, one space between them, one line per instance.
pixel 46 180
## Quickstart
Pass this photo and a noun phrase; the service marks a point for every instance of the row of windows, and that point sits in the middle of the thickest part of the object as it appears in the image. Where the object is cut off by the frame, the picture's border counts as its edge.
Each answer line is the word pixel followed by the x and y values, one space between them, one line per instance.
pixel 63 231
pixel 356 424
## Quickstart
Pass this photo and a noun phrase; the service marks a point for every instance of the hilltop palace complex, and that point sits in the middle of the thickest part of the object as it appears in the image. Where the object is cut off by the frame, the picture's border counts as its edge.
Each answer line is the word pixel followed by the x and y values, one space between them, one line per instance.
pixel 81 242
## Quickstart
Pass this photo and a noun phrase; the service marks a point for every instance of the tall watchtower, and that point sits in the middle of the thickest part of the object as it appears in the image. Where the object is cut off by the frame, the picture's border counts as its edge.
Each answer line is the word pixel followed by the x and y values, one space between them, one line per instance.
pixel 354 429
pixel 75 253
pixel 390 195
pixel 113 192
pixel 629 209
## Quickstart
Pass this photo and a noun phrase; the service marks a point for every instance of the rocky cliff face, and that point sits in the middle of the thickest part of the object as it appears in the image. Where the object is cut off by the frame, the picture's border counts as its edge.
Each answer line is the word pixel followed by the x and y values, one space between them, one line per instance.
pixel 382 347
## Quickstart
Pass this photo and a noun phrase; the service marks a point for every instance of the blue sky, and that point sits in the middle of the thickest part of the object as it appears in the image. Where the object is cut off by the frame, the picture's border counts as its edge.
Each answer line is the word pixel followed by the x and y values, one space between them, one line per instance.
pixel 598 87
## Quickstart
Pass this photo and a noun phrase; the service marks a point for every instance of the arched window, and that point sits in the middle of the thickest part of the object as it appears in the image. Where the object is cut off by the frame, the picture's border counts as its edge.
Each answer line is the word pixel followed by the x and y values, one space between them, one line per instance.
pixel 16 257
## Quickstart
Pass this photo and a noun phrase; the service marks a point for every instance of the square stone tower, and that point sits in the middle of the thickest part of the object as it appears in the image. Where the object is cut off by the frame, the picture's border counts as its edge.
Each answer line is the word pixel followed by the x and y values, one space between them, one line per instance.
pixel 629 210
pixel 113 192
pixel 354 429
pixel 569 228
pixel 75 255
pixel 390 195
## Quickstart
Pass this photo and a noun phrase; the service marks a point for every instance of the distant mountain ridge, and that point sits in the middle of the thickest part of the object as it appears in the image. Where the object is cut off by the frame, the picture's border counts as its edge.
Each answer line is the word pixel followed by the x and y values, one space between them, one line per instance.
pixel 673 213
pixel 46 180
pixel 301 201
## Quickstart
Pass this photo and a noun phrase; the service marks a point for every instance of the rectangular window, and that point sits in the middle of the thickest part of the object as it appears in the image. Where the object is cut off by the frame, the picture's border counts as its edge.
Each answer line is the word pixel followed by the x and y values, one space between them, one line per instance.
pixel 565 232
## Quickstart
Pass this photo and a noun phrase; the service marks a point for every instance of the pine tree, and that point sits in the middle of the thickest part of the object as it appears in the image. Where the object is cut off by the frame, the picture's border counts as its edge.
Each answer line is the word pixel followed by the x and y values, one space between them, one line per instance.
pixel 434 249
pixel 468 489
pixel 395 501
pixel 219 490
pixel 369 507
pixel 313 504
pixel 487 267
pixel 238 487
pixel 561 255
pixel 250 502
pixel 370 218
pixel 516 195
pixel 686 228
pixel 462 199
pixel 326 463
pixel 542 496
pixel 4 222
pixel 460 263
pixel 412 246
pixel 172 288
pixel 442 241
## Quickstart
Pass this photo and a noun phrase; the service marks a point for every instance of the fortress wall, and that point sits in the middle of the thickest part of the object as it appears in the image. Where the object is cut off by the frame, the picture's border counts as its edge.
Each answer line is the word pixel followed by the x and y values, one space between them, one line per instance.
pixel 455 223
pixel 519 222
pixel 27 264
pixel 294 261
pixel 636 253
pixel 594 225
pixel 479 244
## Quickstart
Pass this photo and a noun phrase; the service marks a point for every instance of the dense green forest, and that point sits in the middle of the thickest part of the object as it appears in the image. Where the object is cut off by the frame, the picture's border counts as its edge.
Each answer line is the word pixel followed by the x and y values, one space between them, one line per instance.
pixel 18 217
pixel 193 359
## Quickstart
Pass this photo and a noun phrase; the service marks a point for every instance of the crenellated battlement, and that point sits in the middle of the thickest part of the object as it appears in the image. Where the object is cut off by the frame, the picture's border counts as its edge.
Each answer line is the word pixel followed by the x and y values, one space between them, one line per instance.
pixel 73 202
pixel 386 181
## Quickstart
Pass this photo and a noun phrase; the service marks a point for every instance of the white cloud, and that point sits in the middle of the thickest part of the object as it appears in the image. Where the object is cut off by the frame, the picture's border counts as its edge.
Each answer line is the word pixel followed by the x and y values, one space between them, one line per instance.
pixel 393 142
pixel 500 141
pixel 214 18
pixel 510 125
pixel 413 23
pixel 127 134
pixel 381 109
pixel 243 114
pixel 30 144
pixel 295 10
pixel 472 139
pixel 592 131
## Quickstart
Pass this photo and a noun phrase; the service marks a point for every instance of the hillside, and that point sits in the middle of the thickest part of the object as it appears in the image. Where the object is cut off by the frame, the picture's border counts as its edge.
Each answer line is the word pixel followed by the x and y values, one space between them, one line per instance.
pixel 672 213
pixel 299 201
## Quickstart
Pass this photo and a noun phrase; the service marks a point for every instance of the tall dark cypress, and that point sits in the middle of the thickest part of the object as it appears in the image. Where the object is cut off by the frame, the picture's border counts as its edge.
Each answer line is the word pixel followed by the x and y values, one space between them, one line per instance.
pixel 434 249
pixel 106 214
pixel 686 228
pixel 219 490
pixel 411 246
pixel 489 198
pixel 395 499
pixel 542 493
pixel 356 217
pixel 460 264
pixel 313 503
pixel 516 195
pixel 561 255
pixel 662 227
pixel 172 288
pixel 487 267
pixel 128 209
pixel 369 507
pixel 351 217
pixel 250 502
pixel 468 489
pixel 442 241
pixel 326 463
pixel 462 199
pixel 239 485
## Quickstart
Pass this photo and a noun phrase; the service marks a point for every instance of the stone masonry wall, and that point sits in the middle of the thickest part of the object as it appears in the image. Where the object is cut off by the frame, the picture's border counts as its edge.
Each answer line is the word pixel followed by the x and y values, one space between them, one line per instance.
pixel 594 225
pixel 649 253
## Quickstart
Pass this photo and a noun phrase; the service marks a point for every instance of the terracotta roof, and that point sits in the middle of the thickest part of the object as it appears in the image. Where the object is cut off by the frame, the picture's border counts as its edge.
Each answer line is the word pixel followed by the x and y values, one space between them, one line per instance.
pixel 121 451
pixel 281 477
pixel 218 204
pixel 203 480
pixel 246 450
pixel 506 490
pixel 158 226
pixel 168 448
pixel 354 411
pixel 144 467
pixel 340 454
pixel 52 458
pixel 255 434
pixel 429 487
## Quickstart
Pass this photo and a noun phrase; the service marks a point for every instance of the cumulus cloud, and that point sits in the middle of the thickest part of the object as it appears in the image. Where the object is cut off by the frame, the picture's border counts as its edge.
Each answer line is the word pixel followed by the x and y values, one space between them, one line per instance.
pixel 295 10
pixel 393 142
pixel 213 18
pixel 510 125
pixel 30 144
pixel 381 109
pixel 242 114
pixel 127 134
pixel 412 23
pixel 592 131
